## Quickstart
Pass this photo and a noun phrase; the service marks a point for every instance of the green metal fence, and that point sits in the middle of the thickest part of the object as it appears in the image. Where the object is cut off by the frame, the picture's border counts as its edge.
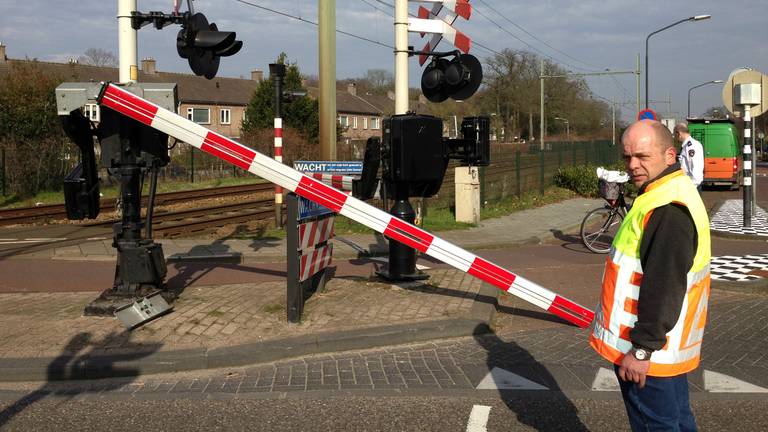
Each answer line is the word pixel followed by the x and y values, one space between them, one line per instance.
pixel 518 169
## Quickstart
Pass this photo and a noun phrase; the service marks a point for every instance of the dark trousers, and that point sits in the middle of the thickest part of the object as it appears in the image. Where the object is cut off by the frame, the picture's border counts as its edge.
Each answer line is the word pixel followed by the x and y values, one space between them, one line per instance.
pixel 662 405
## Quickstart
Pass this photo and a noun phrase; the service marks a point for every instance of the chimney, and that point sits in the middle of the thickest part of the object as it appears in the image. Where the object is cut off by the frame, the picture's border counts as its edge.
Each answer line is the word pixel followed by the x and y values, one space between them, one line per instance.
pixel 148 65
pixel 3 57
pixel 352 89
pixel 257 75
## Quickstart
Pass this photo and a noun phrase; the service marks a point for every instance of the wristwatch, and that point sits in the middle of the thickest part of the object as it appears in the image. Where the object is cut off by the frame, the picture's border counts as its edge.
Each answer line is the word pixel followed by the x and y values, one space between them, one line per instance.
pixel 640 353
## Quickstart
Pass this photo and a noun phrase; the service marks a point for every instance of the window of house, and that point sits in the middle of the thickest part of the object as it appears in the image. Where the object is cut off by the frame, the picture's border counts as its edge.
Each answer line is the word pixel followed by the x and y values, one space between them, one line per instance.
pixel 91 112
pixel 224 116
pixel 344 121
pixel 354 122
pixel 365 122
pixel 199 115
pixel 375 123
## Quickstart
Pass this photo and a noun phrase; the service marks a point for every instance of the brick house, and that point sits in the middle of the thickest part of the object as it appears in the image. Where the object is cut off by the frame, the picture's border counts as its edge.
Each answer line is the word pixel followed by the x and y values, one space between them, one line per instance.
pixel 218 104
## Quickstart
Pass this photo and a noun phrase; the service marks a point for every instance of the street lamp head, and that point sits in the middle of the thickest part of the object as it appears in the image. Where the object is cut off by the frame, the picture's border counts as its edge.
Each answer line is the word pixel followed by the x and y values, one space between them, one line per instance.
pixel 717 81
pixel 700 17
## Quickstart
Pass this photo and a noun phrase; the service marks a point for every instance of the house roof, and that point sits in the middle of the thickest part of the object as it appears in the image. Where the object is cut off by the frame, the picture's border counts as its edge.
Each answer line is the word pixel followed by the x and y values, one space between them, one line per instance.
pixel 367 104
pixel 191 88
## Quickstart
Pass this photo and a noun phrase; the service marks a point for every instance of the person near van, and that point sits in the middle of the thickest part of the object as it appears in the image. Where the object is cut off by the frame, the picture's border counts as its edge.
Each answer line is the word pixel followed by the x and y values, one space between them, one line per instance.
pixel 650 319
pixel 691 154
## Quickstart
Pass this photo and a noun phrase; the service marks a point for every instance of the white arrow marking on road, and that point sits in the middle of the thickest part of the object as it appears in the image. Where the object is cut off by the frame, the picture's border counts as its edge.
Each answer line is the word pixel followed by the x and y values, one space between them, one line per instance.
pixel 501 379
pixel 720 383
pixel 605 380
pixel 478 418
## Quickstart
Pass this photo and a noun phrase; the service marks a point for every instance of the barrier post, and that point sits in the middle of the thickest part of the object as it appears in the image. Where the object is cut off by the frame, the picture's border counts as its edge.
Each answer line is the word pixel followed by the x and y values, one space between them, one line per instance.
pixel 295 293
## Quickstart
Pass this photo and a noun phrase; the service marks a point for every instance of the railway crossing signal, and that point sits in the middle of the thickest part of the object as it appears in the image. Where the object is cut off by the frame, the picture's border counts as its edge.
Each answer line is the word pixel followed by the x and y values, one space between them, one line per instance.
pixel 202 44
pixel 458 79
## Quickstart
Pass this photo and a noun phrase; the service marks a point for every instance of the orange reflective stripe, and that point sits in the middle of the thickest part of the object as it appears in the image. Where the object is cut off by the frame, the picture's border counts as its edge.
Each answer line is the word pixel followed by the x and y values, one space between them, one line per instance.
pixel 655 369
pixel 636 279
pixel 647 218
pixel 630 305
pixel 606 303
pixel 624 332
pixel 668 370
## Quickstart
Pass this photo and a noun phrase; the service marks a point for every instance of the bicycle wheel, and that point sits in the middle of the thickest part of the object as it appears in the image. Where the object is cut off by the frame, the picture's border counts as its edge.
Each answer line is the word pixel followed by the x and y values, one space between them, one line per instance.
pixel 599 227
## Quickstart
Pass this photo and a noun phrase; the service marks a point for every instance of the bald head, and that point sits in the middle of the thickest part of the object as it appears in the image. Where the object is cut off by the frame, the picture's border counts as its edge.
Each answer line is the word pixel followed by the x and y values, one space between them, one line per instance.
pixel 650 130
pixel 648 150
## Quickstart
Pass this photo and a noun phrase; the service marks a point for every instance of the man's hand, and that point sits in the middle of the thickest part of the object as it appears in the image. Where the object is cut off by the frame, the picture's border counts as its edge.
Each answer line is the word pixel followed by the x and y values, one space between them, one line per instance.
pixel 634 370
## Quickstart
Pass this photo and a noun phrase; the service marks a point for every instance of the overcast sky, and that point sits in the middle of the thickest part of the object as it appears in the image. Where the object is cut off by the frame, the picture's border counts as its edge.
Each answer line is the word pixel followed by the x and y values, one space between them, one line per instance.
pixel 582 36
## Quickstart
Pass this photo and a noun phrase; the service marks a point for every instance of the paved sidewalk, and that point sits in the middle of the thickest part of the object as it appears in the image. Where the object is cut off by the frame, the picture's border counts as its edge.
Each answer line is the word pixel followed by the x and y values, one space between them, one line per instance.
pixel 45 336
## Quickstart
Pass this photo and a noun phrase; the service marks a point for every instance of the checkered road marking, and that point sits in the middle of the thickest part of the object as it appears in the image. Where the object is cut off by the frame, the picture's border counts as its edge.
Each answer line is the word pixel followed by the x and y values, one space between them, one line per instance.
pixel 730 218
pixel 735 268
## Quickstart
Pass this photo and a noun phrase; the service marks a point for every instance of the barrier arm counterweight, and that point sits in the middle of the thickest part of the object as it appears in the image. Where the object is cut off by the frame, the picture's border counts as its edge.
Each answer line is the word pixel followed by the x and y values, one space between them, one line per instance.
pixel 141 110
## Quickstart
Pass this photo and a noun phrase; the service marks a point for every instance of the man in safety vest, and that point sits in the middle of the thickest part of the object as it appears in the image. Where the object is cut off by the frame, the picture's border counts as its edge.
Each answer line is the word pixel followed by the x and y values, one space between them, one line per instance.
pixel 651 316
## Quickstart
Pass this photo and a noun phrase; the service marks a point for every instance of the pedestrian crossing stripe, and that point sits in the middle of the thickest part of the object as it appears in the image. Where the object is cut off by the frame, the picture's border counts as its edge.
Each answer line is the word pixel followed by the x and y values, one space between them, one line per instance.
pixel 714 382
pixel 730 218
pixel 736 268
pixel 502 379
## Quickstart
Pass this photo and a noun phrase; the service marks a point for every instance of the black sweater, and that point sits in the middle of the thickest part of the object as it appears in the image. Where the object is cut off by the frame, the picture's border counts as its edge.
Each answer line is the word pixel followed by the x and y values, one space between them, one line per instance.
pixel 667 250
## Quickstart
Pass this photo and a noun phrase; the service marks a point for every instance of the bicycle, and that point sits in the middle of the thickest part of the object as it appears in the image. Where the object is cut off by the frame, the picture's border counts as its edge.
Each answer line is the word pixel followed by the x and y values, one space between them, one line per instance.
pixel 599 226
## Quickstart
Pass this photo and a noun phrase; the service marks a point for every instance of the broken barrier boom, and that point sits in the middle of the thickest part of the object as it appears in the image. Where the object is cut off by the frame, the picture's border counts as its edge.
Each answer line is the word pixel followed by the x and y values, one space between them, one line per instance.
pixel 143 111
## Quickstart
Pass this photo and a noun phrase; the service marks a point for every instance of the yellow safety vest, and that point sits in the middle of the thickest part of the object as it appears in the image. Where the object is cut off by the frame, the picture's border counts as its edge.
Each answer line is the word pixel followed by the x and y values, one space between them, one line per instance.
pixel 616 313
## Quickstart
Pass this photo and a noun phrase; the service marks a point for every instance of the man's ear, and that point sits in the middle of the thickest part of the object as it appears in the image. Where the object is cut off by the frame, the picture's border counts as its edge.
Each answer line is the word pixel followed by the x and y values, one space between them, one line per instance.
pixel 670 156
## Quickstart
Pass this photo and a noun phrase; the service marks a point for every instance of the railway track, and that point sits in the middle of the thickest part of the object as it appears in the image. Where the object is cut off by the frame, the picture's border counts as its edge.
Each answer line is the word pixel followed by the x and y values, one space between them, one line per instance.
pixel 58 211
pixel 195 221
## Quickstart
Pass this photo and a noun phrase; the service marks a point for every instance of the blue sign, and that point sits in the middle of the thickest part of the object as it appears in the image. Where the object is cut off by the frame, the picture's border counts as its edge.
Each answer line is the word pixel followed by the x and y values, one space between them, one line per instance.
pixel 309 208
pixel 329 167
pixel 647 114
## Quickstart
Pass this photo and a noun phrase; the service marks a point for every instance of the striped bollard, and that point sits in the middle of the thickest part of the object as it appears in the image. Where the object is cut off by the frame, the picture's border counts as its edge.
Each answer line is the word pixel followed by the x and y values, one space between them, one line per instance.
pixel 279 158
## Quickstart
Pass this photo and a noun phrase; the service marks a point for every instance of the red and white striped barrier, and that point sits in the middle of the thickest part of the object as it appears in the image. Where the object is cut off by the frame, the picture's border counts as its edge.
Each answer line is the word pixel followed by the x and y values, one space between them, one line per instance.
pixel 265 167
pixel 314 232
pixel 315 260
pixel 340 182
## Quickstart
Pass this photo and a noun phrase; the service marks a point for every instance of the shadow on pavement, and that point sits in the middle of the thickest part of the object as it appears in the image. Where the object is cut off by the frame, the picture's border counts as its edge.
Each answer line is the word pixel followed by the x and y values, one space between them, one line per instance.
pixel 77 362
pixel 555 412
pixel 571 242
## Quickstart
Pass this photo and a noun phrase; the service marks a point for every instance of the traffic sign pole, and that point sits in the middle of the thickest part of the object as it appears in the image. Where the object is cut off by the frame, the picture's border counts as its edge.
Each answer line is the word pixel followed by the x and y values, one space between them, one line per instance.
pixel 747 168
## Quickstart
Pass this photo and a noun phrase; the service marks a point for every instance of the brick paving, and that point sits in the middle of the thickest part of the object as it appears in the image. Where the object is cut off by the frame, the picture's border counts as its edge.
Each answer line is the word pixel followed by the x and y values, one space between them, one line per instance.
pixel 45 325
pixel 556 358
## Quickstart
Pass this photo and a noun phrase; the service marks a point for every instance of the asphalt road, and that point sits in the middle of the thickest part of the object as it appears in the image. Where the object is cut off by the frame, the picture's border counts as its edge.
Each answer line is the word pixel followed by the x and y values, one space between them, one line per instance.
pixel 522 411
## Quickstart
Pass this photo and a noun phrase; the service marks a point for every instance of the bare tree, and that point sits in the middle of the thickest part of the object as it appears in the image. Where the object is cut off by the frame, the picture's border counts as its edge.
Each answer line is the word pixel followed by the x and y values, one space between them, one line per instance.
pixel 98 57
pixel 716 112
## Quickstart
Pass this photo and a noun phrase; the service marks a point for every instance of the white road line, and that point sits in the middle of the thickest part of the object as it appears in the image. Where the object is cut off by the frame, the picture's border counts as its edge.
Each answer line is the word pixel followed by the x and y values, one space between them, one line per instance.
pixel 478 418
pixel 715 382
pixel 502 379
pixel 605 380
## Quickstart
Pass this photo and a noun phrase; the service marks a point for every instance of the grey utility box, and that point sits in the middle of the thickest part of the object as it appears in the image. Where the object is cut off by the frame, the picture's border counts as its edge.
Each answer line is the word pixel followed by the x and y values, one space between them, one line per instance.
pixel 142 310
pixel 748 94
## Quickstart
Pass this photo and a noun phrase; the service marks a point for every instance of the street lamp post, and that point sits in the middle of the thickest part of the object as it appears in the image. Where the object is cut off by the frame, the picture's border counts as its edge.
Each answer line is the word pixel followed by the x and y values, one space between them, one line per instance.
pixel 697 86
pixel 693 18
pixel 567 127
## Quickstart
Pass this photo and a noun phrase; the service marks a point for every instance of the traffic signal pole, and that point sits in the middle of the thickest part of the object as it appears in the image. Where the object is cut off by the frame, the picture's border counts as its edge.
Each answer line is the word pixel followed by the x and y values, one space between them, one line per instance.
pixel 127 42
